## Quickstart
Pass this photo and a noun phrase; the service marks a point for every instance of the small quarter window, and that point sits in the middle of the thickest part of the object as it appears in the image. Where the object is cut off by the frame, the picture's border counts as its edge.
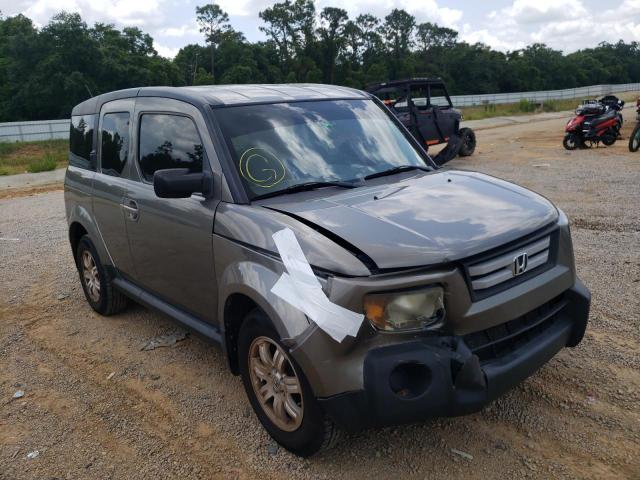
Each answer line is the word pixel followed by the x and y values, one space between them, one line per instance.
pixel 169 141
pixel 81 140
pixel 114 143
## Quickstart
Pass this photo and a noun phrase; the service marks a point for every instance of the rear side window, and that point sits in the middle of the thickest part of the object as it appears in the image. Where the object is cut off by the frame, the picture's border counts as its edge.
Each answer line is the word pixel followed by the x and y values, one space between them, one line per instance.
pixel 115 143
pixel 168 141
pixel 438 96
pixel 81 140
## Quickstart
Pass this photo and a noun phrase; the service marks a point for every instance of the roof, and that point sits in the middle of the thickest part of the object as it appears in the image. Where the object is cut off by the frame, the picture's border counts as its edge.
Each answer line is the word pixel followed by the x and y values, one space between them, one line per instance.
pixel 405 82
pixel 225 95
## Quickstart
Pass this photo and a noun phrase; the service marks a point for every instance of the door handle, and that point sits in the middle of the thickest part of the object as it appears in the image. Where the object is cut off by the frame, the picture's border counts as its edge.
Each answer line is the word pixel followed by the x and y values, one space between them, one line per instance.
pixel 130 208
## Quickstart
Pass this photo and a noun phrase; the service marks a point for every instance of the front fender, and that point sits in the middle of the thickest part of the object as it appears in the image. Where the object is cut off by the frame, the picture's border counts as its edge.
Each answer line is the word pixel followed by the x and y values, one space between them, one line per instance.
pixel 253 274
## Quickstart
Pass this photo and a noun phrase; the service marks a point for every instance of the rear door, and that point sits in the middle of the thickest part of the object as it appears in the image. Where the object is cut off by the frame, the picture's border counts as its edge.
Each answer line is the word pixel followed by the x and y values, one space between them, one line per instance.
pixel 114 151
pixel 424 114
pixel 171 239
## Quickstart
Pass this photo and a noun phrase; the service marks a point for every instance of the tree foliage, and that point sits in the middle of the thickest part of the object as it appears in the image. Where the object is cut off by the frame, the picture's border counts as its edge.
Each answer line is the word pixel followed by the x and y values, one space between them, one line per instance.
pixel 45 71
pixel 214 24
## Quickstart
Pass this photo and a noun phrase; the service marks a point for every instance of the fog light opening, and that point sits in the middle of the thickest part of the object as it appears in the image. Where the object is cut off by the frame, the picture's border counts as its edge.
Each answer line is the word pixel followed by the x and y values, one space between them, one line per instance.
pixel 410 380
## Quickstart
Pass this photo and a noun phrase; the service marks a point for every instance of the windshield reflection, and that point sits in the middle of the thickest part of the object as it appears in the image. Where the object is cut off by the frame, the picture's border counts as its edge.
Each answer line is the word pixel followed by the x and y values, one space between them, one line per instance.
pixel 280 145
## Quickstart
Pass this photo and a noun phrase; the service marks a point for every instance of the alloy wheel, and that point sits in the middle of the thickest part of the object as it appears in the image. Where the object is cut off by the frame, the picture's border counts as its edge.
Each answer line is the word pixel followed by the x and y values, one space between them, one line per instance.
pixel 90 276
pixel 275 384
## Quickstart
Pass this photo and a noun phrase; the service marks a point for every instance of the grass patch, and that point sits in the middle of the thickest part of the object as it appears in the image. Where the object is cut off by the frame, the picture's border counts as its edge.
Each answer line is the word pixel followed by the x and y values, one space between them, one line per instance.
pixel 523 107
pixel 45 164
pixel 40 156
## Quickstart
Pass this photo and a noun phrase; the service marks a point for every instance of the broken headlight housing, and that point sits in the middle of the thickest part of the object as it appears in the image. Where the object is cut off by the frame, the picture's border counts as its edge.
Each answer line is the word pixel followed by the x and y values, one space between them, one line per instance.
pixel 406 311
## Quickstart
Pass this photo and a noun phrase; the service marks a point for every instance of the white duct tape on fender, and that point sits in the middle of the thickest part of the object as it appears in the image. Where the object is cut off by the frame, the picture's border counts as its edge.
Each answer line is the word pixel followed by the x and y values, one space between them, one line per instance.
pixel 300 288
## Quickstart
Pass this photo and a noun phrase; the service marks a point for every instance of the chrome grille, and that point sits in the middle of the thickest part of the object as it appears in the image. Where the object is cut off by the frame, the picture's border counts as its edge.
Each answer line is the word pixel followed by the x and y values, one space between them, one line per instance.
pixel 492 272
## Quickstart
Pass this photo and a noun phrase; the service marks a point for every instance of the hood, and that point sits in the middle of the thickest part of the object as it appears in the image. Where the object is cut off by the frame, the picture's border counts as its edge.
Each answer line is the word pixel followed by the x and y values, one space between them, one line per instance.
pixel 425 220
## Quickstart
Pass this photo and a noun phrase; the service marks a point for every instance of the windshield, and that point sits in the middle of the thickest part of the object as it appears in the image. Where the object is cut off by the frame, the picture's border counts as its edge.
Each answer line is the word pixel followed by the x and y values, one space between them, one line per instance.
pixel 277 146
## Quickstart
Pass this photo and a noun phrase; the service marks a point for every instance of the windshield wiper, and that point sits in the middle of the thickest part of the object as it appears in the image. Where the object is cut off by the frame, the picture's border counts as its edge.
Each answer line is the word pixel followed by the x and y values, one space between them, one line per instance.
pixel 301 187
pixel 401 168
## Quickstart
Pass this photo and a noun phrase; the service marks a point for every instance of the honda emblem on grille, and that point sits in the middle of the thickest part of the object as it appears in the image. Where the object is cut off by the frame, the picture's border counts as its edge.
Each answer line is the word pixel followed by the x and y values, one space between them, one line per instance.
pixel 520 264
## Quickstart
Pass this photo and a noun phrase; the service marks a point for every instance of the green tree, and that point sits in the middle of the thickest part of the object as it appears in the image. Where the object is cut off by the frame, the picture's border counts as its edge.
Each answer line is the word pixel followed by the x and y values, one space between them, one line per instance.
pixel 332 39
pixel 214 24
pixel 45 71
pixel 430 35
pixel 372 44
pixel 290 26
pixel 398 34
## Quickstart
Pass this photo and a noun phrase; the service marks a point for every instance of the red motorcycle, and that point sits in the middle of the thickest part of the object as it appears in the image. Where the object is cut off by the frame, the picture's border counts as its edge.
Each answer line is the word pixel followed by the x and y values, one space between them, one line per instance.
pixel 594 122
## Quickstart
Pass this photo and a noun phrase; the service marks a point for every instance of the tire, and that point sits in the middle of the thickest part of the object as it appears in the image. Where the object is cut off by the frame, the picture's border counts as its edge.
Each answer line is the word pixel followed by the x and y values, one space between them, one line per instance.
pixel 634 139
pixel 468 137
pixel 570 141
pixel 609 139
pixel 96 283
pixel 313 430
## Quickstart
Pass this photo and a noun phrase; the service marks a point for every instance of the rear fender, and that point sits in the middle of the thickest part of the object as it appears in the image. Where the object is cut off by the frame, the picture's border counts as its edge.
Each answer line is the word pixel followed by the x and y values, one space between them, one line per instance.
pixel 606 126
pixel 81 215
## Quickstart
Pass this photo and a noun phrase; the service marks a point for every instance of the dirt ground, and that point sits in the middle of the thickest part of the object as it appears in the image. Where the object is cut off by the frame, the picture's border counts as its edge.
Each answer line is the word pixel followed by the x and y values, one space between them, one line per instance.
pixel 96 406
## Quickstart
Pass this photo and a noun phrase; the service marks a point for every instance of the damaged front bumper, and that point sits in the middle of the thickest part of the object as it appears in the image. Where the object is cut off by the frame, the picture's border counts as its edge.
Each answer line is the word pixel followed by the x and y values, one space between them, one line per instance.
pixel 455 375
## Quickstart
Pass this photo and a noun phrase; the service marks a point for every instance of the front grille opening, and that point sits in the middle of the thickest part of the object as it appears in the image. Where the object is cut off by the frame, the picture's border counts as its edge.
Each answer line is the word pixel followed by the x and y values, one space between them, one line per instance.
pixel 498 341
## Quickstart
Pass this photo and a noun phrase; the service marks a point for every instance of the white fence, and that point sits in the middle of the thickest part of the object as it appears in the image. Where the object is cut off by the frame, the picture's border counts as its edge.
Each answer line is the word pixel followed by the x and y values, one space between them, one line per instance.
pixel 567 94
pixel 50 129
pixel 30 131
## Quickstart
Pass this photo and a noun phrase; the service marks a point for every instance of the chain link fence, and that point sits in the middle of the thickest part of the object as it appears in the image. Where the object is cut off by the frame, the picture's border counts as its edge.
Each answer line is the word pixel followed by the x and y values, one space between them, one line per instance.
pixel 537 97
pixel 31 131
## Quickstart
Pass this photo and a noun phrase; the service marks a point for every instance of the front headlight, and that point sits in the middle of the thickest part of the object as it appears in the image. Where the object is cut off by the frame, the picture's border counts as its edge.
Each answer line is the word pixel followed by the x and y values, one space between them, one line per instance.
pixel 403 311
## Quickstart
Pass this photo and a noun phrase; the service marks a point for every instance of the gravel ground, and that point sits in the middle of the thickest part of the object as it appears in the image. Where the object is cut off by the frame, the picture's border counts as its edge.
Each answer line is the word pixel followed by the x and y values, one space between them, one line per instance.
pixel 96 406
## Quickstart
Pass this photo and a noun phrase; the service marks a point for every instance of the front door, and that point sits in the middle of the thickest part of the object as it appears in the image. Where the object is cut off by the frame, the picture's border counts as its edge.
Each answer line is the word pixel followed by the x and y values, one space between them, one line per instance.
pixel 171 239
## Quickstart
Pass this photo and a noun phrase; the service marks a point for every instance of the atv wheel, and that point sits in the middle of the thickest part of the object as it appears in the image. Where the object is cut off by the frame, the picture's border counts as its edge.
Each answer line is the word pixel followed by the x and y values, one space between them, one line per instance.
pixel 468 142
pixel 570 141
pixel 634 139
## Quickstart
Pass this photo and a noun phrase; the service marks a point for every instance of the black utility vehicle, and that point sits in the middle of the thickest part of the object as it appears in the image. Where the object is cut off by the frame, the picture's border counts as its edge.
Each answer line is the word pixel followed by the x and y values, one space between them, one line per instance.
pixel 423 106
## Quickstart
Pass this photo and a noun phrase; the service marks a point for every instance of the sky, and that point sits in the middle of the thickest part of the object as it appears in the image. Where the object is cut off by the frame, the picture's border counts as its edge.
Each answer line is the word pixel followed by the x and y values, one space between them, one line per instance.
pixel 566 25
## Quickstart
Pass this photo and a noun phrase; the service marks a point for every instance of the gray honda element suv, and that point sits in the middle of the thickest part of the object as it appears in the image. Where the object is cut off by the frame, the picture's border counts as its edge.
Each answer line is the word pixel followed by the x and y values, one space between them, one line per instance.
pixel 350 282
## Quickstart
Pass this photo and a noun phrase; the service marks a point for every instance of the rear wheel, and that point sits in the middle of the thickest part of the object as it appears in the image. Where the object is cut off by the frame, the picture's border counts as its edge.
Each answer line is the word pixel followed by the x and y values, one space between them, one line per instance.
pixel 468 137
pixel 96 283
pixel 634 139
pixel 570 141
pixel 279 392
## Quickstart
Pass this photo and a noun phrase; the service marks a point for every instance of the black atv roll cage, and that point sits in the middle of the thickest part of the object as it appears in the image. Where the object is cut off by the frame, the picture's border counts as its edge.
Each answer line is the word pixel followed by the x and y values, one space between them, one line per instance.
pixel 402 91
pixel 405 86
pixel 397 92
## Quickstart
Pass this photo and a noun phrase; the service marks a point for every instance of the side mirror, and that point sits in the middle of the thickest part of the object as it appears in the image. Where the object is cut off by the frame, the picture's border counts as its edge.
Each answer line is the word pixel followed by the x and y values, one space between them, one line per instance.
pixel 179 183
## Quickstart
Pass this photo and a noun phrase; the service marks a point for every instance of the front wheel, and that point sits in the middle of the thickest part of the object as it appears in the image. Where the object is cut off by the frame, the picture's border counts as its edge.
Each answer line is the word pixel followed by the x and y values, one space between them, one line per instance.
pixel 634 139
pixel 468 137
pixel 609 139
pixel 570 141
pixel 279 392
